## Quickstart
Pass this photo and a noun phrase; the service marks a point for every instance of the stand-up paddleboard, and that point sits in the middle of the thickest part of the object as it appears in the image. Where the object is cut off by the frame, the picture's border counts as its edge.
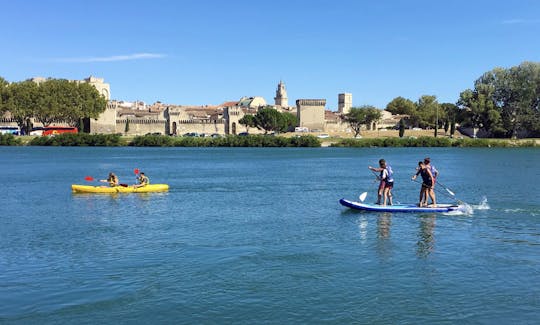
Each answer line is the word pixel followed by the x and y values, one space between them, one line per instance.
pixel 398 207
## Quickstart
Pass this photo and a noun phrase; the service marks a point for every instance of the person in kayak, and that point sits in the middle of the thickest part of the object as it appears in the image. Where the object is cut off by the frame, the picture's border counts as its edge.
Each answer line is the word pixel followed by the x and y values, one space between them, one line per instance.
pixel 142 179
pixel 427 182
pixel 112 179
pixel 386 182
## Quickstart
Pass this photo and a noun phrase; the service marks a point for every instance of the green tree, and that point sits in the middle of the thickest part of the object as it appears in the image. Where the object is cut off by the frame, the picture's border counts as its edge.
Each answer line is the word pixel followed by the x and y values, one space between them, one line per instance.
pixel 401 128
pixel 290 121
pixel 69 102
pixel 269 119
pixel 400 105
pixel 428 112
pixel 3 94
pixel 248 121
pixel 481 109
pixel 22 100
pixel 126 128
pixel 363 115
pixel 505 102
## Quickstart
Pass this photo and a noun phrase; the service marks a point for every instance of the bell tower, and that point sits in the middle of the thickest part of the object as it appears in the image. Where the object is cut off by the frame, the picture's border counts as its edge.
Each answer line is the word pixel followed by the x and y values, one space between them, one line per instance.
pixel 281 99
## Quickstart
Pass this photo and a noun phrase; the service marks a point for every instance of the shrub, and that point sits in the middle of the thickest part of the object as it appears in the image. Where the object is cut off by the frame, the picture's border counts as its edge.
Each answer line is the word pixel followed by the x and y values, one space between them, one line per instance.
pixel 9 140
pixel 78 139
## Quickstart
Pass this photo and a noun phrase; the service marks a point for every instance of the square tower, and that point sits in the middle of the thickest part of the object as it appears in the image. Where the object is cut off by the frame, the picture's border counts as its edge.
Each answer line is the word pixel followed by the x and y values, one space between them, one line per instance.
pixel 311 113
pixel 344 103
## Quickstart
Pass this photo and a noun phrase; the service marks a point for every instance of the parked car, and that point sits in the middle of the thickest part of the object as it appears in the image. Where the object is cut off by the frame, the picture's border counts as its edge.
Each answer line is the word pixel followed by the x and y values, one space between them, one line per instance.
pixel 215 135
pixel 191 134
pixel 323 136
pixel 243 134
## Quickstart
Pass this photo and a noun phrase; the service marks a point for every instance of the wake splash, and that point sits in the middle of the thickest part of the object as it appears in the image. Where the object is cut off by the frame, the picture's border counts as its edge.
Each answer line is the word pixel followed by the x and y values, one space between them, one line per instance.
pixel 483 205
pixel 468 209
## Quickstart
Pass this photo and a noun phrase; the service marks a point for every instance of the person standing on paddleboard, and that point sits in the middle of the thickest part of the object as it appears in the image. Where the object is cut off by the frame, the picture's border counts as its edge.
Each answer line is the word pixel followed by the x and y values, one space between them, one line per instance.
pixel 386 182
pixel 434 175
pixel 427 182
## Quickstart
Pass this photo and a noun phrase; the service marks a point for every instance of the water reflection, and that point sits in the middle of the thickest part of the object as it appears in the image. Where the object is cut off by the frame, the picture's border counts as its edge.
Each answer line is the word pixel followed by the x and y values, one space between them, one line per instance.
pixel 384 245
pixel 426 238
pixel 384 221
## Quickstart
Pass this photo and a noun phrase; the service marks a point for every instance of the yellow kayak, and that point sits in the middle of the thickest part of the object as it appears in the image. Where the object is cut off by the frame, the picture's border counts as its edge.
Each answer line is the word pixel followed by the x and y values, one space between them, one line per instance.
pixel 119 189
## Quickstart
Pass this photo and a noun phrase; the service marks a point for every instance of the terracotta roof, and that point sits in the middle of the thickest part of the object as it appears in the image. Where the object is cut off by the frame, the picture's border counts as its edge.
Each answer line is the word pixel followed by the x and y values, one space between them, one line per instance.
pixel 229 104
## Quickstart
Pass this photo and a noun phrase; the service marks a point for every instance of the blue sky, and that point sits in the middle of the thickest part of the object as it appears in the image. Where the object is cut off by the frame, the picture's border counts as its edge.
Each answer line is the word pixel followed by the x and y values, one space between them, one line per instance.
pixel 198 52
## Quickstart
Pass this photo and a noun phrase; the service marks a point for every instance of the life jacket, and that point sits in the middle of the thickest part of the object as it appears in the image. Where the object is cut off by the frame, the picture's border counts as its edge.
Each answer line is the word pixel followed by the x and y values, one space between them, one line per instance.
pixel 390 175
pixel 143 179
pixel 113 181
pixel 425 176
pixel 434 170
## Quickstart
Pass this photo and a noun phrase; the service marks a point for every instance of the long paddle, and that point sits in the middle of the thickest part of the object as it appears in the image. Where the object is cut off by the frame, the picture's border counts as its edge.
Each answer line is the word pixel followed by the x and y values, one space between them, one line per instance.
pixel 91 179
pixel 446 188
pixel 452 195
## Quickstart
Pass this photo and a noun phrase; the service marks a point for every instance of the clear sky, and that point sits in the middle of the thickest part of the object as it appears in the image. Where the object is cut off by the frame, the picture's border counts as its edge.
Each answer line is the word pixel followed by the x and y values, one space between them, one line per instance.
pixel 198 52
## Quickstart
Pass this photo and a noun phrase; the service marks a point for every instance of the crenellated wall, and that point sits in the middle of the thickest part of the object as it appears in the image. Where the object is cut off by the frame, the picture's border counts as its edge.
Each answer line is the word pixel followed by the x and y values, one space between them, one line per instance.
pixel 140 126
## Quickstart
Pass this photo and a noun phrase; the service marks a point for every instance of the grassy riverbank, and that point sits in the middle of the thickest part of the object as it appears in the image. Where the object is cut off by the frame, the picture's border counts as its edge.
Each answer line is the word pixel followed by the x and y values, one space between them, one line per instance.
pixel 114 140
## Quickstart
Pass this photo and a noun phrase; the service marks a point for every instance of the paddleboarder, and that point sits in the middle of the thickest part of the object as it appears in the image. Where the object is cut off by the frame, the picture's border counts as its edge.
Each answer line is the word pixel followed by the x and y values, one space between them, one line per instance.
pixel 386 184
pixel 427 183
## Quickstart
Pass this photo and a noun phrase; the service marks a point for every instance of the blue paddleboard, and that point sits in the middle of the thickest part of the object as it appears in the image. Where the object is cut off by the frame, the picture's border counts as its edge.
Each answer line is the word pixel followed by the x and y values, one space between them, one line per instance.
pixel 398 207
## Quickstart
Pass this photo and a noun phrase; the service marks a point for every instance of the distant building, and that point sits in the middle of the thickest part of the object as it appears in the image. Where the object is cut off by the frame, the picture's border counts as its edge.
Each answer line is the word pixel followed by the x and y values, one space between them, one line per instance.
pixel 252 102
pixel 344 103
pixel 281 99
pixel 310 113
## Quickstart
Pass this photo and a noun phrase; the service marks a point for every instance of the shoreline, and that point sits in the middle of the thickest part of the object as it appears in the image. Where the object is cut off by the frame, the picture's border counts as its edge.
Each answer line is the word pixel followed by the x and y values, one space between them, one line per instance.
pixel 283 140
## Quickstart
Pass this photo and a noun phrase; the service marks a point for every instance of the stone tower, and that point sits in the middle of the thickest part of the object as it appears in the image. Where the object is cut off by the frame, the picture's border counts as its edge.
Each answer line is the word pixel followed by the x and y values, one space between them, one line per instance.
pixel 310 113
pixel 281 99
pixel 344 103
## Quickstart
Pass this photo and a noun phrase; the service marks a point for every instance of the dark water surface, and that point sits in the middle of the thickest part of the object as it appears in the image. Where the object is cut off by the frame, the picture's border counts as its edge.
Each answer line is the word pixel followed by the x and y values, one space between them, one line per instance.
pixel 256 235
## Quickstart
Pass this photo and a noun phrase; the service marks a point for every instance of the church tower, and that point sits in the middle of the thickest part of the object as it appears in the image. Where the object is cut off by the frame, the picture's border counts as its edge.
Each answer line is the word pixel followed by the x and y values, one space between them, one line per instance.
pixel 281 99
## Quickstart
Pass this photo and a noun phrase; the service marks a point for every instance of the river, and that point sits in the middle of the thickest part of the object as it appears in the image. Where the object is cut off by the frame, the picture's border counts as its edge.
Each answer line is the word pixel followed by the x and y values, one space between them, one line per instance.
pixel 256 235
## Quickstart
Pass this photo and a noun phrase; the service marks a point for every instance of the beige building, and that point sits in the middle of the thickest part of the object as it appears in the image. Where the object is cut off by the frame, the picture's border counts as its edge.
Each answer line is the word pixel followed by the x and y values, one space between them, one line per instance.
pixel 310 113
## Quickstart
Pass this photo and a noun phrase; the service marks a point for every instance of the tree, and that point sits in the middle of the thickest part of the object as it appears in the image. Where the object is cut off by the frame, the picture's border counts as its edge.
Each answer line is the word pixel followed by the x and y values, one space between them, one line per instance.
pixel 68 101
pixel 22 100
pixel 482 112
pixel 505 102
pixel 290 121
pixel 3 94
pixel 427 109
pixel 268 119
pixel 401 128
pixel 359 116
pixel 248 121
pixel 126 128
pixel 400 105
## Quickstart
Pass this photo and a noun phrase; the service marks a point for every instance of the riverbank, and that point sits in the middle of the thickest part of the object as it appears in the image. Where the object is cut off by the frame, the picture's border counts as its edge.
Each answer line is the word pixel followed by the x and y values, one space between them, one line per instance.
pixel 284 140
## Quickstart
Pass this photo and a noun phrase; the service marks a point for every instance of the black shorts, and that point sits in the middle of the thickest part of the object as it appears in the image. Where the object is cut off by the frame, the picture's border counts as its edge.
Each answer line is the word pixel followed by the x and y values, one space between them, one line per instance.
pixel 427 184
pixel 389 185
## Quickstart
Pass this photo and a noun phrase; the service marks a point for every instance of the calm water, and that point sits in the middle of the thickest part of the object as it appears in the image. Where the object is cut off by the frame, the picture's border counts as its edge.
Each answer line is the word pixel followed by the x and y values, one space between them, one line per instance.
pixel 257 236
